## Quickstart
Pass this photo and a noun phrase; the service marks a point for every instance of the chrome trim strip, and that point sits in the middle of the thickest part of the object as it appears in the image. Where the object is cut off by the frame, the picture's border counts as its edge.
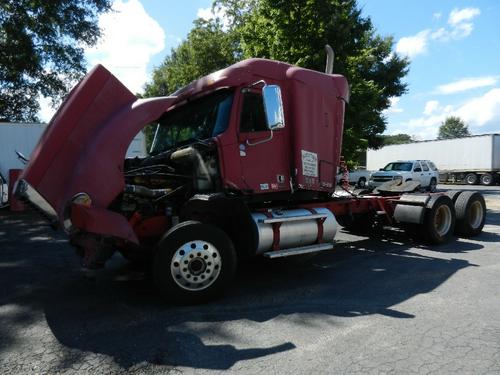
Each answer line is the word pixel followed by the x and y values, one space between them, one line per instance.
pixel 25 191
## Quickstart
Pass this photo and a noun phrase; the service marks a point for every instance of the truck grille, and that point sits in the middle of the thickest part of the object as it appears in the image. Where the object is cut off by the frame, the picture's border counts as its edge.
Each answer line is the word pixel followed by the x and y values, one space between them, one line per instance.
pixel 382 179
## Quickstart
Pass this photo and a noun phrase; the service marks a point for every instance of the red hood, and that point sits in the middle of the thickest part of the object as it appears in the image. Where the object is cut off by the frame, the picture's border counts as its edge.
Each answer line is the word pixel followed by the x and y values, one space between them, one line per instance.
pixel 84 146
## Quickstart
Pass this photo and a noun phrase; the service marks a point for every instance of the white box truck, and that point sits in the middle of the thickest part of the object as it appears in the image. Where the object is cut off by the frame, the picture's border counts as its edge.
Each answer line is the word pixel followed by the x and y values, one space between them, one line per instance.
pixel 468 160
pixel 24 137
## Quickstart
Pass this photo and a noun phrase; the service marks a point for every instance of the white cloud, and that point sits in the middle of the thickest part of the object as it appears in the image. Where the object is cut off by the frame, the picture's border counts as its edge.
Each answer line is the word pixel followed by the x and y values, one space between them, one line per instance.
pixel 394 106
pixel 205 13
pixel 130 38
pixel 412 46
pixel 476 113
pixel 460 26
pixel 482 110
pixel 458 16
pixel 46 111
pixel 466 84
pixel 209 14
pixel 431 106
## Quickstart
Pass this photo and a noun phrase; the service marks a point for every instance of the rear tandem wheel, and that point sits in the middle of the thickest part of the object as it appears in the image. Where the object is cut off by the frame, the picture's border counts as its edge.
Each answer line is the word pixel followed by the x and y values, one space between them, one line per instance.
pixel 438 222
pixel 471 214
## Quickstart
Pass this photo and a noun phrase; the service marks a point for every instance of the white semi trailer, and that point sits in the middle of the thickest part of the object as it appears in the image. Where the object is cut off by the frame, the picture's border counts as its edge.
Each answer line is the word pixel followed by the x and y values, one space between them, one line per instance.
pixel 470 160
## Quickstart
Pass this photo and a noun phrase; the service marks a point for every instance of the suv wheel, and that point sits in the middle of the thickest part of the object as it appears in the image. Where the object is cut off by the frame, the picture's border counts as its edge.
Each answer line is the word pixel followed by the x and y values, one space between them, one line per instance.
pixel 433 185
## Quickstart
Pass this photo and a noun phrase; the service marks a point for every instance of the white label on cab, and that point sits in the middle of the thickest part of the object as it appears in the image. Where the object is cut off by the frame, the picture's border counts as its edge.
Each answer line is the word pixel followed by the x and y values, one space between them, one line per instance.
pixel 309 163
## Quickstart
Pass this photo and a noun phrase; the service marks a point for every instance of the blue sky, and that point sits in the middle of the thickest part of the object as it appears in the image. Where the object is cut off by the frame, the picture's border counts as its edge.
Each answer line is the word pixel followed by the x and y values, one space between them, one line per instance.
pixel 454 48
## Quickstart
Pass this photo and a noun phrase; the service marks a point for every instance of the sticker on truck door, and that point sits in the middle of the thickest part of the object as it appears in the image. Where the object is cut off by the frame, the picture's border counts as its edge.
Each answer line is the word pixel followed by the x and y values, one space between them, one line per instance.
pixel 309 163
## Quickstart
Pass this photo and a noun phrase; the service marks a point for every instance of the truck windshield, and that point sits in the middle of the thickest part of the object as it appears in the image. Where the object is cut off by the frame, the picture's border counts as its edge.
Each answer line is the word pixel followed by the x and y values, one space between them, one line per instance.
pixel 404 167
pixel 197 120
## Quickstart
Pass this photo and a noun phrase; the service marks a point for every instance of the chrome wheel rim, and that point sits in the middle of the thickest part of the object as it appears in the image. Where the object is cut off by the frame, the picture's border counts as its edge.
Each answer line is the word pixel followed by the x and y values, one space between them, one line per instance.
pixel 442 220
pixel 476 214
pixel 196 265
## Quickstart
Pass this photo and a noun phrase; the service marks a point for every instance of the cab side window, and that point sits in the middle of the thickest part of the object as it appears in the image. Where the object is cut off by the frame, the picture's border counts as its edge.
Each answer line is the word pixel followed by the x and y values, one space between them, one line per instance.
pixel 253 118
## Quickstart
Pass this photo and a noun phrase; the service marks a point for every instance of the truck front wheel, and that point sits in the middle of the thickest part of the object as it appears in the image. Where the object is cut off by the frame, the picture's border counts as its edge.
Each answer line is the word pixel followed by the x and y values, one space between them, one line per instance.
pixel 194 263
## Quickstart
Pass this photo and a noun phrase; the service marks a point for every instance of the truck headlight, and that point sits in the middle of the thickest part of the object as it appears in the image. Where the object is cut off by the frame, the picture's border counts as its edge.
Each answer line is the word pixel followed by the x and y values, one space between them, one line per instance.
pixel 80 198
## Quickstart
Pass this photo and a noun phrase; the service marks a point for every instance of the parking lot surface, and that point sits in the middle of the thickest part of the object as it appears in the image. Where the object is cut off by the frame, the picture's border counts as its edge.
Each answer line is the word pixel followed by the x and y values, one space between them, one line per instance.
pixel 372 305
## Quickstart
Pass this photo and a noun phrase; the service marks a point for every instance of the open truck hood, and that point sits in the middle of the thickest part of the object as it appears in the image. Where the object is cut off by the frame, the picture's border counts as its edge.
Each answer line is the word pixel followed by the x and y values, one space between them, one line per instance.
pixel 83 150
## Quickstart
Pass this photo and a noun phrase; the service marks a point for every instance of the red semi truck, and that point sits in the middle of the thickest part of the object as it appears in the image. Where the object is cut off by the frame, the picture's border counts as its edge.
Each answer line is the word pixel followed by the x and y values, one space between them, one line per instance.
pixel 243 164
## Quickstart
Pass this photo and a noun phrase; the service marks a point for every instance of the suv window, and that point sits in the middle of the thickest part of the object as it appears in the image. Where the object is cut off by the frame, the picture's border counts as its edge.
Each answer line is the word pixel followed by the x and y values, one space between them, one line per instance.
pixel 253 117
pixel 398 166
pixel 433 167
pixel 424 166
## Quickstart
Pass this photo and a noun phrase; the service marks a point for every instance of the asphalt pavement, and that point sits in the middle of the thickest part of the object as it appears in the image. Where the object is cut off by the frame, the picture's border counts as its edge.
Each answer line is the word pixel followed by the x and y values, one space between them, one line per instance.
pixel 372 305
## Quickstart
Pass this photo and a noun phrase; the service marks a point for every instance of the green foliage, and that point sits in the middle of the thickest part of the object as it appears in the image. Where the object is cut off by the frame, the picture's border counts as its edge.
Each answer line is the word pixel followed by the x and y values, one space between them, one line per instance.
pixel 396 139
pixel 41 50
pixel 207 48
pixel 453 127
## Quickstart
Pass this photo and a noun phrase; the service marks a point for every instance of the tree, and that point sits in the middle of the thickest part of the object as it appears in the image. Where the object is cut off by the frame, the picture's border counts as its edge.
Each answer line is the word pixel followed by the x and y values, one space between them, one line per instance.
pixel 396 139
pixel 206 49
pixel 41 50
pixel 296 31
pixel 453 127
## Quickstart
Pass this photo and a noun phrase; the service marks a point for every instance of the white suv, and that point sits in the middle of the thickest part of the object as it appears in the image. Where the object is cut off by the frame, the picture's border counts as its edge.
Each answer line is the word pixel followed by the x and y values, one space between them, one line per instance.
pixel 423 171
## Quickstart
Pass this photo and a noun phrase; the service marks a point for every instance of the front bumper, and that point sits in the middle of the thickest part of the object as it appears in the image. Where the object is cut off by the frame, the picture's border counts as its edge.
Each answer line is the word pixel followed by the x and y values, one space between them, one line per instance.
pixel 375 182
pixel 24 191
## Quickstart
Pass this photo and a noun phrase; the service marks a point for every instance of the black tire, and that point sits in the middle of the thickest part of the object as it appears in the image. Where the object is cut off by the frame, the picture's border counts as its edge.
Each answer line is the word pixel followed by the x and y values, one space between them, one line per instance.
pixel 471 214
pixel 361 182
pixel 486 179
pixel 471 178
pixel 185 246
pixel 439 220
pixel 433 185
pixel 453 194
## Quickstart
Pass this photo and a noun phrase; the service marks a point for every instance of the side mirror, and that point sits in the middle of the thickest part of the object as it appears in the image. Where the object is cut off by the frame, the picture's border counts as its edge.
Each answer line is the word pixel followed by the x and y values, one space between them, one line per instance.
pixel 417 169
pixel 381 169
pixel 273 106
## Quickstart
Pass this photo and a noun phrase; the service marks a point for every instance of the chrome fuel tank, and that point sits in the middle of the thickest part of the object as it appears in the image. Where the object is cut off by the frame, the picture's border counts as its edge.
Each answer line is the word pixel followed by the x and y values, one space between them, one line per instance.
pixel 298 227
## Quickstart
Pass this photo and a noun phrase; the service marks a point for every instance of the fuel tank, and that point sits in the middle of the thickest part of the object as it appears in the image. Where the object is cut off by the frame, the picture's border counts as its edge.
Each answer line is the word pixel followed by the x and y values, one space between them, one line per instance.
pixel 297 227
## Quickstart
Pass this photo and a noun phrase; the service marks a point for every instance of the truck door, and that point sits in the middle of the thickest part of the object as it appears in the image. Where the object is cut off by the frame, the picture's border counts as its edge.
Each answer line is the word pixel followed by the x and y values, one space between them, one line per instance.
pixel 263 154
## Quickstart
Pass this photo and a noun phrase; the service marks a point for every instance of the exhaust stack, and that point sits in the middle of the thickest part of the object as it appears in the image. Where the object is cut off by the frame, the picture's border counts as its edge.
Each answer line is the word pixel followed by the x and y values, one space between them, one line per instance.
pixel 329 59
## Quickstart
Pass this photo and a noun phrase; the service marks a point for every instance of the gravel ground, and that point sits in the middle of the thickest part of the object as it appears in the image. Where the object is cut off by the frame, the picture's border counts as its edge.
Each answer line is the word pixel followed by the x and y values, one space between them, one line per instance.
pixel 382 305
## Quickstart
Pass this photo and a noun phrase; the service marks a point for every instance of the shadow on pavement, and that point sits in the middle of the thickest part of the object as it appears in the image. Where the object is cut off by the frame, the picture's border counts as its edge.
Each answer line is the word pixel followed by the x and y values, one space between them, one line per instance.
pixel 118 313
